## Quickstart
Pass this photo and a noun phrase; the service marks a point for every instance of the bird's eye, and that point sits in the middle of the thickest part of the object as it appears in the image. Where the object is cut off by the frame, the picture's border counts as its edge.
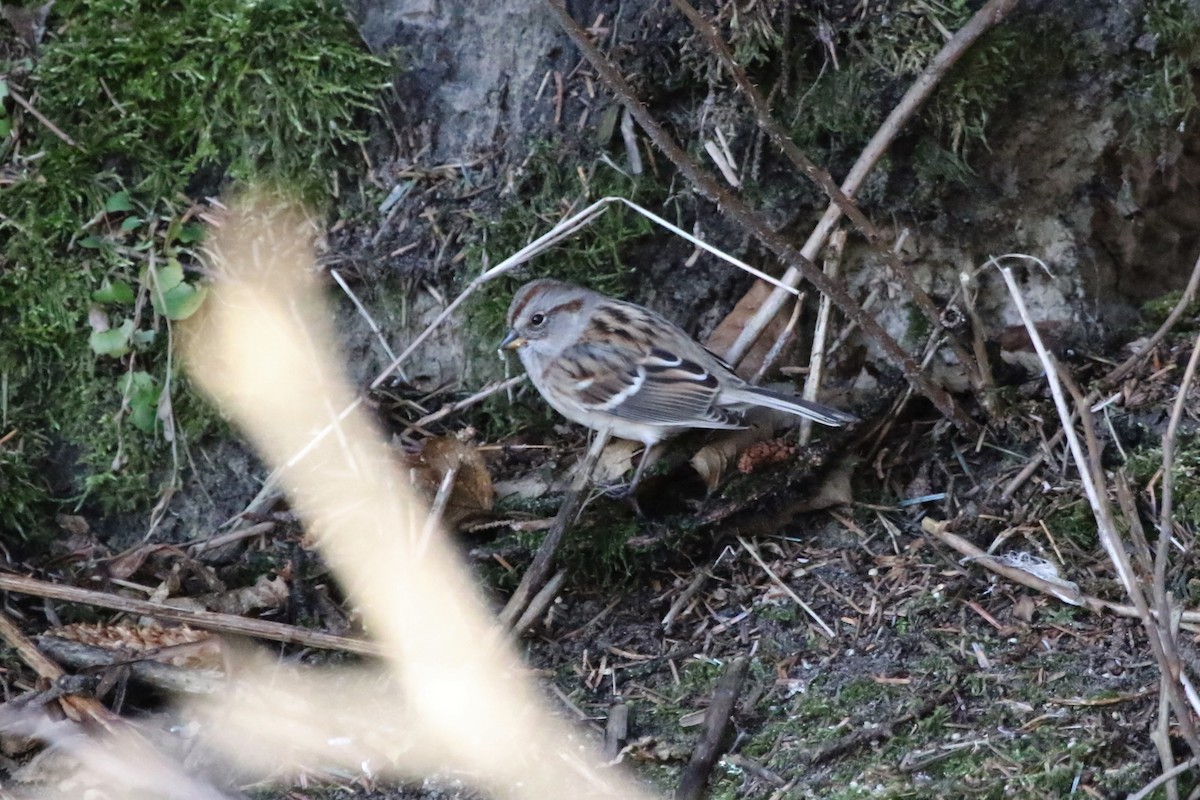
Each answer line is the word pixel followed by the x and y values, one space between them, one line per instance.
pixel 537 319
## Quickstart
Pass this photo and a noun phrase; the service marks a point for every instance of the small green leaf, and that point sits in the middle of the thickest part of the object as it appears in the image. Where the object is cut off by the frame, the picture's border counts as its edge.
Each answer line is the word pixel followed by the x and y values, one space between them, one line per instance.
pixel 114 292
pixel 5 126
pixel 92 242
pixel 117 203
pixel 129 223
pixel 113 342
pixel 181 302
pixel 143 338
pixel 167 277
pixel 141 391
pixel 191 232
pixel 171 295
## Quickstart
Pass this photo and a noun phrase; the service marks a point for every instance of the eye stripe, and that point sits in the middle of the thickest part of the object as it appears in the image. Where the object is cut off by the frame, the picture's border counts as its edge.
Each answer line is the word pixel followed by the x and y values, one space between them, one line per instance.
pixel 522 300
pixel 571 306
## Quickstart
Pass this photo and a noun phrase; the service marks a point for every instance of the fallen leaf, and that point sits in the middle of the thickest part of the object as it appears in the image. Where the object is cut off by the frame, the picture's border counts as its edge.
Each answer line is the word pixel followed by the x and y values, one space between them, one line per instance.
pixel 472 495
pixel 267 593
pixel 835 489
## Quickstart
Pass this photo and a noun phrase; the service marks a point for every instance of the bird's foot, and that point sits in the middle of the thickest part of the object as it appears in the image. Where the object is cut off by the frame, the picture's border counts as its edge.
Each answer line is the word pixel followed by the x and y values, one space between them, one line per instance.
pixel 625 491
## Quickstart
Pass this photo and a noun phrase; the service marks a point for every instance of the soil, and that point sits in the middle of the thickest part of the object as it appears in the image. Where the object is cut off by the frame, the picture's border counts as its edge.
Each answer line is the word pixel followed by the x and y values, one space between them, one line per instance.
pixel 912 672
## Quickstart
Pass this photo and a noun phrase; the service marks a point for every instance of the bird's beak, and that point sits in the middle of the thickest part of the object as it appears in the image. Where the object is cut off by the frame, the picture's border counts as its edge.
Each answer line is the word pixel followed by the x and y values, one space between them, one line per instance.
pixel 512 341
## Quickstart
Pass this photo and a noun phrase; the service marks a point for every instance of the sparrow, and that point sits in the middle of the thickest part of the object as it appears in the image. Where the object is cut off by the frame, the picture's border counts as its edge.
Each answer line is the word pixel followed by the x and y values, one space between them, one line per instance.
pixel 615 366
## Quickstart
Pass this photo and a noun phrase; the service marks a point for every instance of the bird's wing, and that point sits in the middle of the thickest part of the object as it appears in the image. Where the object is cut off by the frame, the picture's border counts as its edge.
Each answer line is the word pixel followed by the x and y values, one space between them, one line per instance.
pixel 654 388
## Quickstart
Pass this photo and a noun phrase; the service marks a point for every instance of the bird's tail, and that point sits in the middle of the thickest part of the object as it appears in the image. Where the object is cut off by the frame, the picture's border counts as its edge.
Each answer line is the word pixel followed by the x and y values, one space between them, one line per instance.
pixel 757 396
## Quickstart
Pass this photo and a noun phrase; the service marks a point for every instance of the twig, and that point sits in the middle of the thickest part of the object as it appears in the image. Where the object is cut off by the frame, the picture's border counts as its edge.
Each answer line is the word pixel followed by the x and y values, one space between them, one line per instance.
pixel 485 392
pixel 40 117
pixel 631 143
pixel 716 723
pixel 616 730
pixel 1098 502
pixel 682 600
pixel 1160 735
pixel 1128 365
pixel 870 734
pixel 992 13
pixel 76 706
pixel 828 631
pixel 1067 592
pixel 782 340
pixel 166 677
pixel 1148 789
pixel 213 542
pixel 1162 601
pixel 1166 516
pixel 840 196
pixel 362 312
pixel 206 620
pixel 753 222
pixel 534 577
pixel 437 509
pixel 540 602
pixel 39 663
pixel 816 357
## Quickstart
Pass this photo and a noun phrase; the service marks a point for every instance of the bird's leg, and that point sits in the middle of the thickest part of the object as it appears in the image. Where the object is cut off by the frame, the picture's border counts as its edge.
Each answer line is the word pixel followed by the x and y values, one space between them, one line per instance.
pixel 641 467
pixel 637 476
pixel 628 490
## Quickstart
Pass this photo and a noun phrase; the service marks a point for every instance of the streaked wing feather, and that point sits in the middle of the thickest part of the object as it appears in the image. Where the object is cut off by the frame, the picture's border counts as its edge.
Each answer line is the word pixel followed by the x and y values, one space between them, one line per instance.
pixel 659 388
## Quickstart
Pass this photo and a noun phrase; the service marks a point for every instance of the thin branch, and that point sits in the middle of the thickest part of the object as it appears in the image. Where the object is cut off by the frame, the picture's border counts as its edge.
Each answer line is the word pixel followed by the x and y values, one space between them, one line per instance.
pixel 40 117
pixel 364 313
pixel 1131 363
pixel 816 356
pixel 539 570
pixel 1064 590
pixel 798 264
pixel 716 724
pixel 206 620
pixel 1117 374
pixel 1166 518
pixel 828 631
pixel 540 603
pixel 1148 789
pixel 466 402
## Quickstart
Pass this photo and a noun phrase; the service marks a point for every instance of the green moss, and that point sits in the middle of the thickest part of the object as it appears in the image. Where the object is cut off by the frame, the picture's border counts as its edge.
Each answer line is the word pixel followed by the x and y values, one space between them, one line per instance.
pixel 164 103
pixel 1074 523
pixel 1160 96
pixel 1145 463
pixel 215 90
pixel 839 113
pixel 1156 311
pixel 919 327
pixel 835 112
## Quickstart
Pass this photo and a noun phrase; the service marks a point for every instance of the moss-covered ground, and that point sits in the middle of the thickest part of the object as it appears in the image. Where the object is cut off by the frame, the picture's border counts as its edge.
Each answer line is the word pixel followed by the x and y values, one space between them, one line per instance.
pixel 148 112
